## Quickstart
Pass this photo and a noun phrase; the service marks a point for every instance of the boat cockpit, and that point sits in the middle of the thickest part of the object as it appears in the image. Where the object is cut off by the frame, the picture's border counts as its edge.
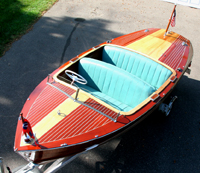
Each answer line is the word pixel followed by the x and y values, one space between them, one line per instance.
pixel 119 77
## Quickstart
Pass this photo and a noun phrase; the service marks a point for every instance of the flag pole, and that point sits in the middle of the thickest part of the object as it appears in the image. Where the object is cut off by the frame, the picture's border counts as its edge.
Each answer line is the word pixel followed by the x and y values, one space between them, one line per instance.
pixel 22 118
pixel 30 132
pixel 170 19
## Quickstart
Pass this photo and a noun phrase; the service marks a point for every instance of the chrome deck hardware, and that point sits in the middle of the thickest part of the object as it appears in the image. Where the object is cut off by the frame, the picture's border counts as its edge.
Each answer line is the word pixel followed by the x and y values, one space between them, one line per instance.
pixel 184 44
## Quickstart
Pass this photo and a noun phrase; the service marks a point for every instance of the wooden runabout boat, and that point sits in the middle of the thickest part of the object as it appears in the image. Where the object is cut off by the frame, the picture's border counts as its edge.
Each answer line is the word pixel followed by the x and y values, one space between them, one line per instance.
pixel 101 93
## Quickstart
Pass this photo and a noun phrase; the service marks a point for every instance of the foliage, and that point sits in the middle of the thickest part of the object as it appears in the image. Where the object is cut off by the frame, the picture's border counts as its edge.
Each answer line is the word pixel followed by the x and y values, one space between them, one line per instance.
pixel 17 16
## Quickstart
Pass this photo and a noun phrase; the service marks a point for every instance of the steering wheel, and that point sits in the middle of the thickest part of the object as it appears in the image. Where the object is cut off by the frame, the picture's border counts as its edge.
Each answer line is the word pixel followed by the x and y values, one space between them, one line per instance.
pixel 76 77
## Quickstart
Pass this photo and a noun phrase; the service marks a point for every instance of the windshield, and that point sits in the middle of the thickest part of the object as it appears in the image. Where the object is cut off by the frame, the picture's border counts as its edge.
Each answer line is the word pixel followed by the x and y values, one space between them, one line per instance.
pixel 72 91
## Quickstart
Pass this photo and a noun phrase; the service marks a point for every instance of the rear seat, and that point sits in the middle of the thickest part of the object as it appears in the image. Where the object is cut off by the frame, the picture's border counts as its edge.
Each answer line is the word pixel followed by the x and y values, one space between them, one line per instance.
pixel 113 85
pixel 146 69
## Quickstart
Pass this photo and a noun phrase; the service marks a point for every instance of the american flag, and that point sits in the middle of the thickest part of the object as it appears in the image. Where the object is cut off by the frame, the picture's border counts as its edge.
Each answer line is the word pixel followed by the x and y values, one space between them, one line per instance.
pixel 173 21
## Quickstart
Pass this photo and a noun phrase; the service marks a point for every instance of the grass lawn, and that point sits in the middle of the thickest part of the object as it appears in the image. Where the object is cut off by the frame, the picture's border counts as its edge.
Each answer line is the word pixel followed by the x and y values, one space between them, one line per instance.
pixel 17 16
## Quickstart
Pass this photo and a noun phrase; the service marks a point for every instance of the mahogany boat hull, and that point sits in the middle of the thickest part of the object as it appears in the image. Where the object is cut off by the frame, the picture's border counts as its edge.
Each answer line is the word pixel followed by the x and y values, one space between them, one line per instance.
pixel 102 121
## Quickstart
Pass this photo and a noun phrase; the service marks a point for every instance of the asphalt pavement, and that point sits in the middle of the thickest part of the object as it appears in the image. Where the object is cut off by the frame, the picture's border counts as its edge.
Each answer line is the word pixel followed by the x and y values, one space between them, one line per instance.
pixel 71 27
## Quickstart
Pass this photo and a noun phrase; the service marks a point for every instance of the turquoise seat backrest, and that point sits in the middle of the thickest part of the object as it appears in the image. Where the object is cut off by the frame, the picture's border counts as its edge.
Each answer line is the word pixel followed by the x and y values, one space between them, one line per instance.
pixel 146 69
pixel 114 82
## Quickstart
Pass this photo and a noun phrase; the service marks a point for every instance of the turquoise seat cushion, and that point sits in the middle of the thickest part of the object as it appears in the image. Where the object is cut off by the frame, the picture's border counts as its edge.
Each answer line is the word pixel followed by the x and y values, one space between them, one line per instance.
pixel 107 99
pixel 146 69
pixel 113 85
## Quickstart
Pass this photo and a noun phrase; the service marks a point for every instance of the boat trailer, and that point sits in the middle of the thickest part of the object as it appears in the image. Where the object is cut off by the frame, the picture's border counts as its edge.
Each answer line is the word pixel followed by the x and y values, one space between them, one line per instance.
pixel 50 167
pixel 39 168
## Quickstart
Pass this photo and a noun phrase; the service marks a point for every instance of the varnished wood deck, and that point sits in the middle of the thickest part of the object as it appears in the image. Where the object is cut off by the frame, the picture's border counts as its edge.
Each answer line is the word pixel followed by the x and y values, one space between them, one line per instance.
pixel 48 126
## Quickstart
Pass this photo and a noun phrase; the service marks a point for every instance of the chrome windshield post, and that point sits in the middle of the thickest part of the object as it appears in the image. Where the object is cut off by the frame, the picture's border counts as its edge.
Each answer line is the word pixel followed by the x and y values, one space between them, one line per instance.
pixel 117 117
pixel 77 91
pixel 48 79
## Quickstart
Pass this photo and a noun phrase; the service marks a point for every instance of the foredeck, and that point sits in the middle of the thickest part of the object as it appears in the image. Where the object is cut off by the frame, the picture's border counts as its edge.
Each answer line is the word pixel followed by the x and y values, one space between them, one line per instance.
pixel 54 116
